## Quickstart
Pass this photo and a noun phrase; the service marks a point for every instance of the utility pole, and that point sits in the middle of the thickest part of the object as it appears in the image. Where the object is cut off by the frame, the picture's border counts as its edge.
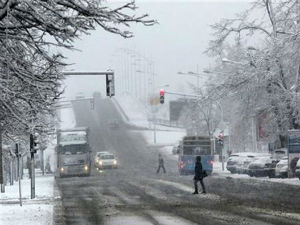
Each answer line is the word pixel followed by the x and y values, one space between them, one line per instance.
pixel 32 184
pixel 18 155
pixel 1 163
pixel 33 149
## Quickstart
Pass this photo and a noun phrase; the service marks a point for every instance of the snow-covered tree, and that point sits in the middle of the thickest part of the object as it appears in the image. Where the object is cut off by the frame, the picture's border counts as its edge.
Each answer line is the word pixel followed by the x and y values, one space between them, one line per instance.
pixel 258 61
pixel 31 34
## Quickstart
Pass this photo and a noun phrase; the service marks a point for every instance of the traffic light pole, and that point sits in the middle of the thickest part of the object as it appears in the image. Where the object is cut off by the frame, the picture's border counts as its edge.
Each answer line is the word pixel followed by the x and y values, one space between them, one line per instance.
pixel 19 175
pixel 32 175
pixel 1 163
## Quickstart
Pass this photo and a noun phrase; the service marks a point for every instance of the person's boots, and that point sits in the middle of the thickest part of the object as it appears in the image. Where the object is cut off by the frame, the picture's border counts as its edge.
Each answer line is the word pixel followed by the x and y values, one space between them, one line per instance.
pixel 196 190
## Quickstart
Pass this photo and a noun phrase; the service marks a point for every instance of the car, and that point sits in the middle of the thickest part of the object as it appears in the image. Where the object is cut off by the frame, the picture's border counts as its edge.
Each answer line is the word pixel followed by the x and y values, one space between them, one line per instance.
pixel 249 159
pixel 97 156
pixel 235 161
pixel 232 163
pixel 262 166
pixel 107 160
pixel 281 169
pixel 297 171
pixel 238 162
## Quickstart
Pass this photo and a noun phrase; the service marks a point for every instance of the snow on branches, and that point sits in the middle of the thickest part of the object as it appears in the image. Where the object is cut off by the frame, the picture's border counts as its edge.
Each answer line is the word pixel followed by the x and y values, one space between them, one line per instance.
pixel 258 60
pixel 29 73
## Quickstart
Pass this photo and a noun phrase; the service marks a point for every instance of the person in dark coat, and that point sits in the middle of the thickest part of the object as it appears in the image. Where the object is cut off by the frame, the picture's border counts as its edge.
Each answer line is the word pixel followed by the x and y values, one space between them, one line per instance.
pixel 199 175
pixel 160 164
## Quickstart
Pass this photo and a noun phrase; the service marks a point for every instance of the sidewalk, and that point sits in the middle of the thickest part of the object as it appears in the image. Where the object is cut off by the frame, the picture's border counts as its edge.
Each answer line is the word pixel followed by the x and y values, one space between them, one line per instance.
pixel 38 211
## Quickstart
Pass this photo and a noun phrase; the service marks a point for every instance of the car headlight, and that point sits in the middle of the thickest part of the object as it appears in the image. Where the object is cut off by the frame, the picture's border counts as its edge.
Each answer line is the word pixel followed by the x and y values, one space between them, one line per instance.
pixel 62 169
pixel 115 162
pixel 100 162
pixel 97 160
pixel 86 168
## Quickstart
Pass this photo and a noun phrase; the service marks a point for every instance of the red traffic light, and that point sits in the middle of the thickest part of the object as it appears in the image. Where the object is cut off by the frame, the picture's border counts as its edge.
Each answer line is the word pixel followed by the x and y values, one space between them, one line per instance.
pixel 162 92
pixel 221 136
pixel 162 96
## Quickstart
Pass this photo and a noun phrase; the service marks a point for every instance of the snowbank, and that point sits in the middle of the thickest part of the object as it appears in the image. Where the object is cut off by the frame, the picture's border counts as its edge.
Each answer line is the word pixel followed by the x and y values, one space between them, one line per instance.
pixel 43 188
pixel 38 211
pixel 29 214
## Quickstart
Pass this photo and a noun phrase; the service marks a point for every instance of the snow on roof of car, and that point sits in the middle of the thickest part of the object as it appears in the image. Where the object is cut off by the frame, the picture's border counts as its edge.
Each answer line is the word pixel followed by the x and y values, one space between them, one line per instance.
pixel 262 160
pixel 253 154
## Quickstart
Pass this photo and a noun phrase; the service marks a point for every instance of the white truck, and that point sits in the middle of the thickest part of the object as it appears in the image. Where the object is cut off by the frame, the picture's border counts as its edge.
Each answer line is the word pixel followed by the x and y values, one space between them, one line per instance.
pixel 73 152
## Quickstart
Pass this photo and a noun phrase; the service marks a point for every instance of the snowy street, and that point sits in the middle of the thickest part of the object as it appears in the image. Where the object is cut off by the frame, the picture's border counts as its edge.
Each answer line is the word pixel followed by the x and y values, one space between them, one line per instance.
pixel 134 192
pixel 150 112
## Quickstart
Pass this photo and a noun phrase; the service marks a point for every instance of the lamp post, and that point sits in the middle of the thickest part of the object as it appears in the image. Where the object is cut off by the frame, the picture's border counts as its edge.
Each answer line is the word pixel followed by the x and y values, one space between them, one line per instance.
pixel 197 75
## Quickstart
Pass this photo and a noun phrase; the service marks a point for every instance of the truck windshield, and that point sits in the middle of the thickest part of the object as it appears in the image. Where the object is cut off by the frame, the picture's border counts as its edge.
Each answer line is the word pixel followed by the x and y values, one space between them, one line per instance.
pixel 73 149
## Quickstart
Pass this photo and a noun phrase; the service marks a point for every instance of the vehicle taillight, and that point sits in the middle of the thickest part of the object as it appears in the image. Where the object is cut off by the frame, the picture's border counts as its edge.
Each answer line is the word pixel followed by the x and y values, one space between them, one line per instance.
pixel 181 164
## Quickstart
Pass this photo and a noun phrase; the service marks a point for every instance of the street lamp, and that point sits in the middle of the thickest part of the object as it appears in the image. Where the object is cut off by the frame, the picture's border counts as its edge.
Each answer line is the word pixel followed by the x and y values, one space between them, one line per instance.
pixel 198 75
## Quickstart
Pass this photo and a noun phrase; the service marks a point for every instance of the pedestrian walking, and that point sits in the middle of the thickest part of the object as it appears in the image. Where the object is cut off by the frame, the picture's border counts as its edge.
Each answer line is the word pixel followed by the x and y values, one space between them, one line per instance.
pixel 199 175
pixel 160 163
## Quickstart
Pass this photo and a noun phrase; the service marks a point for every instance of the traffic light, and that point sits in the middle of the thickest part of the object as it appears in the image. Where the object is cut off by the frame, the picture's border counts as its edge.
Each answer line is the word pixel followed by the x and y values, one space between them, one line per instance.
pixel 162 96
pixel 110 85
pixel 220 139
pixel 34 142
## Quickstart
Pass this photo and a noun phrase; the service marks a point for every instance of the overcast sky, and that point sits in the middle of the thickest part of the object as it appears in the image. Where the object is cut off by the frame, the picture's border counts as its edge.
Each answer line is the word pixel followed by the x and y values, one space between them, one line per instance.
pixel 175 44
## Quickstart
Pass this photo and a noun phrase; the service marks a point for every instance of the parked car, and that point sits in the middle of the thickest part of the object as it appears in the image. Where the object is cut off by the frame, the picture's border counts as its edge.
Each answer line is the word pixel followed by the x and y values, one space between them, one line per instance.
pixel 249 159
pixel 232 162
pixel 235 162
pixel 239 162
pixel 281 169
pixel 297 171
pixel 262 166
pixel 107 161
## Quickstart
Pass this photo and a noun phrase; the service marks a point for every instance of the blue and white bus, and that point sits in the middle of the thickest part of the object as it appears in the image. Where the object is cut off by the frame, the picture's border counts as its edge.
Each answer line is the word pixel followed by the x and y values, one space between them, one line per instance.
pixel 190 147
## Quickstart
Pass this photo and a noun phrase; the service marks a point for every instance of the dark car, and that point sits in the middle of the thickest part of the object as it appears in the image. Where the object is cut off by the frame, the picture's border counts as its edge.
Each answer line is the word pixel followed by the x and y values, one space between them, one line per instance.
pixel 263 166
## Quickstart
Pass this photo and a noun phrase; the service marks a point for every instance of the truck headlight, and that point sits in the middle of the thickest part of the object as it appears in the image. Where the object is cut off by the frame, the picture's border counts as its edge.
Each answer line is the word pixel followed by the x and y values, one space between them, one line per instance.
pixel 115 162
pixel 62 169
pixel 100 162
pixel 86 168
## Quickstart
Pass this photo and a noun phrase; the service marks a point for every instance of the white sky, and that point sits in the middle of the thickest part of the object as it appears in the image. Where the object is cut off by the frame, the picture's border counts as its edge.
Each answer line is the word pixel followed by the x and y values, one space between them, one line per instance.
pixel 175 44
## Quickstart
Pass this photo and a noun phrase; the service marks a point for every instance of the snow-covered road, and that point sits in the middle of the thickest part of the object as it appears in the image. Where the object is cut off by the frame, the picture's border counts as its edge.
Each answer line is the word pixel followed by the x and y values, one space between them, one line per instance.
pixel 135 194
